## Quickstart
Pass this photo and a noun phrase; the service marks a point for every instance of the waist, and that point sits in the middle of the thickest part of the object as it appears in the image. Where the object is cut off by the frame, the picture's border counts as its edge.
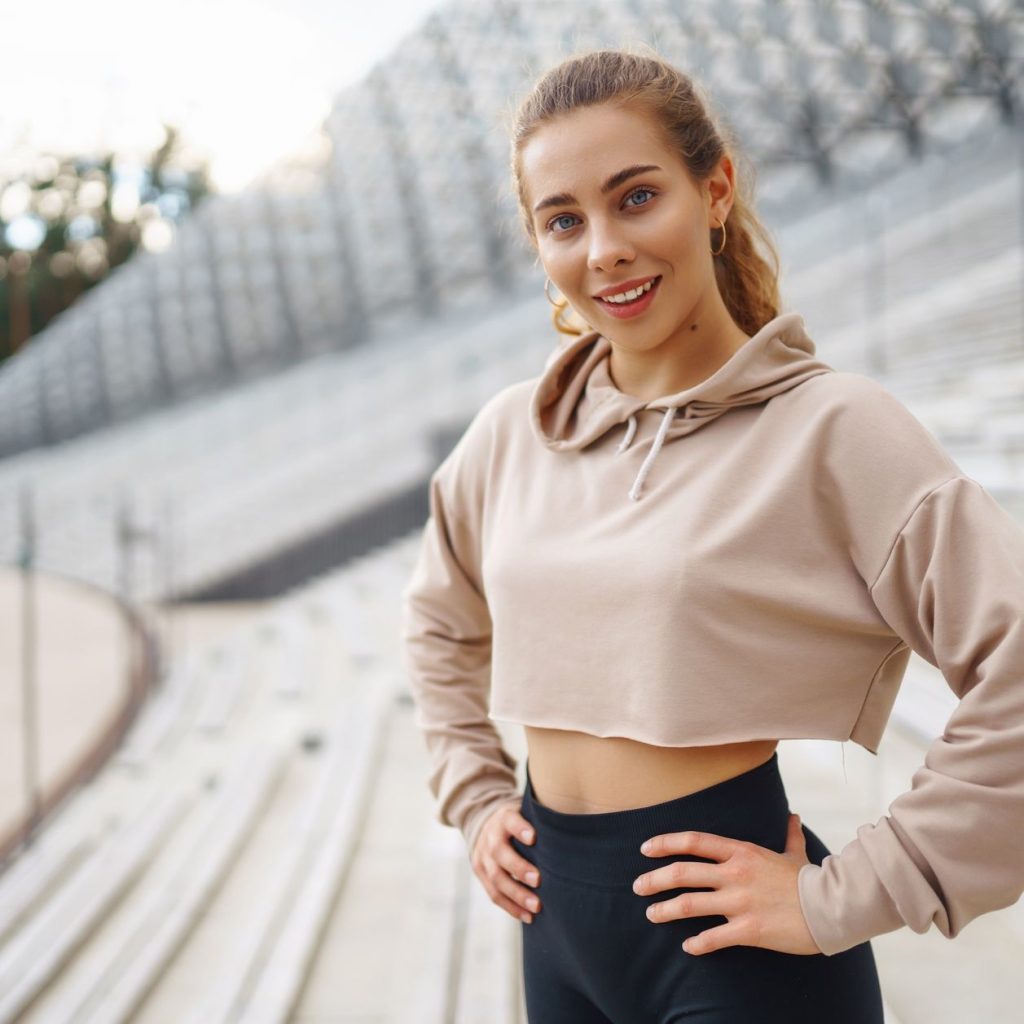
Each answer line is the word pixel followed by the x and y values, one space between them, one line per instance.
pixel 603 848
pixel 578 773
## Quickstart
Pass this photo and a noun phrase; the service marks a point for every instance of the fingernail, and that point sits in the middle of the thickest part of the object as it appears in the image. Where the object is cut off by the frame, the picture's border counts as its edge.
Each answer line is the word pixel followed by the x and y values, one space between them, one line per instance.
pixel 524 917
pixel 531 877
pixel 533 904
pixel 527 834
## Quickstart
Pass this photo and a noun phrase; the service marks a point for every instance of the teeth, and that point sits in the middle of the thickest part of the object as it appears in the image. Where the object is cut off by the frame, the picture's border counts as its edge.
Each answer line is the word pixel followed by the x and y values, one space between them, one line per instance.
pixel 631 295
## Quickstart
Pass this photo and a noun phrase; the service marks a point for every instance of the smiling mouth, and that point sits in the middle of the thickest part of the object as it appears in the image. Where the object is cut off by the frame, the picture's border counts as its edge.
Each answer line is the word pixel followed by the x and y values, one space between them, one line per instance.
pixel 637 294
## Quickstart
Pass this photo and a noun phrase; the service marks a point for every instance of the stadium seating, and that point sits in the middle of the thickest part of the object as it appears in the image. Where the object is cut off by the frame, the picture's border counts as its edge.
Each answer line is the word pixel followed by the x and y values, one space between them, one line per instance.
pixel 399 210
pixel 301 357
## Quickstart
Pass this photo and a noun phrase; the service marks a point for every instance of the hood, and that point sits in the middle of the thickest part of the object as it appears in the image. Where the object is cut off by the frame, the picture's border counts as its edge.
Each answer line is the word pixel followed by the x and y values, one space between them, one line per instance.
pixel 575 401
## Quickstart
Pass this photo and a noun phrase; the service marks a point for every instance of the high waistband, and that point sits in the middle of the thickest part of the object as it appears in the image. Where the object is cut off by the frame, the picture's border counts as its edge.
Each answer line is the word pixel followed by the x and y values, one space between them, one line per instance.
pixel 604 848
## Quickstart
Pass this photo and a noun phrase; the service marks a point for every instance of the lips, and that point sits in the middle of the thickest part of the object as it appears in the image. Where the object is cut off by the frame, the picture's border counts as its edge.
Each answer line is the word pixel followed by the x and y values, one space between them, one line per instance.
pixel 635 307
pixel 625 286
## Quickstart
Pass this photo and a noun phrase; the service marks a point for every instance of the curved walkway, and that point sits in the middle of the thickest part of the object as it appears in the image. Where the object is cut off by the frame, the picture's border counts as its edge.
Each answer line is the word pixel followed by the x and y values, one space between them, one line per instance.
pixel 85 699
pixel 80 650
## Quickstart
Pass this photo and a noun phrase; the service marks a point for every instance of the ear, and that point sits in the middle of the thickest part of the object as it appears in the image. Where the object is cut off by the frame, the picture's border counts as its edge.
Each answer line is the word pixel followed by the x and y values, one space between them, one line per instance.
pixel 721 186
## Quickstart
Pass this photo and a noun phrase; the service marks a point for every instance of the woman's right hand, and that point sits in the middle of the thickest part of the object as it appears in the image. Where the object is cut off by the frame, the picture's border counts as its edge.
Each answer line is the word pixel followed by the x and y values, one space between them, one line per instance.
pixel 497 864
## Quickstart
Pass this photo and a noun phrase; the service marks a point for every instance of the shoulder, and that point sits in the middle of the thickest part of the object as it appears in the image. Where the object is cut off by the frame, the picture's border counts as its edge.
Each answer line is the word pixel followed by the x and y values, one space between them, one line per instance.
pixel 853 393
pixel 872 430
pixel 511 401
pixel 872 461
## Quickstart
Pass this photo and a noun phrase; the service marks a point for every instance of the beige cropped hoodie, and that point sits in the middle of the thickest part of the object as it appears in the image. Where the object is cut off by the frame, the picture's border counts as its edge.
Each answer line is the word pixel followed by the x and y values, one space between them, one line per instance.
pixel 753 557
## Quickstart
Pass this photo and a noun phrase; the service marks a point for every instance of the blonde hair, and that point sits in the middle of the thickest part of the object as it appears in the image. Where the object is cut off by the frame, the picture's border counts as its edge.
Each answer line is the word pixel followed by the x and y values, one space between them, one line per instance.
pixel 747 279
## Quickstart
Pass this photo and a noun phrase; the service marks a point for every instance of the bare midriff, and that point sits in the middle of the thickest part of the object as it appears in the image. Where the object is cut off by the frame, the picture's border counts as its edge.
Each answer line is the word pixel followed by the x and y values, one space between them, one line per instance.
pixel 576 773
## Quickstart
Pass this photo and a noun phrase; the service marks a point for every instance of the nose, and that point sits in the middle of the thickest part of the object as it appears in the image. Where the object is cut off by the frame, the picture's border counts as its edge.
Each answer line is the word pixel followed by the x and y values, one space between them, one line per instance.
pixel 608 246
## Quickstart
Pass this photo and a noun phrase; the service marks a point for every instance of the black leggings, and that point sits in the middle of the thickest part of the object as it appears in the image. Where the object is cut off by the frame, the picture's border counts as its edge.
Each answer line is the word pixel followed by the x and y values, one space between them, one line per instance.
pixel 591 956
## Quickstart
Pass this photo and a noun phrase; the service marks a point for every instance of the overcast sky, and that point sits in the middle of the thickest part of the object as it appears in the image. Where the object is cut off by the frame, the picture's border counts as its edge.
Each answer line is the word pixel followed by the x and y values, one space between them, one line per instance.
pixel 246 80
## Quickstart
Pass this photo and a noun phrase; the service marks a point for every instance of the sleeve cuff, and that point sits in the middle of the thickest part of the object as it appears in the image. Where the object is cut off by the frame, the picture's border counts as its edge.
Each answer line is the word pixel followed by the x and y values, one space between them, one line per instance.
pixel 844 902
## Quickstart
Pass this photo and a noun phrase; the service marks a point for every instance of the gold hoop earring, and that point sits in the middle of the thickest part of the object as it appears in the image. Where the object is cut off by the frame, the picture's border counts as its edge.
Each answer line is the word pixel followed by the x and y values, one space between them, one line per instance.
pixel 557 305
pixel 722 247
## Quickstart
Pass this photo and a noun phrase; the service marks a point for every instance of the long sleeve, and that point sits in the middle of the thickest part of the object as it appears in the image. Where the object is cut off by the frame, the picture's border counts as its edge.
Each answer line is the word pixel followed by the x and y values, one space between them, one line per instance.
pixel 950 848
pixel 446 635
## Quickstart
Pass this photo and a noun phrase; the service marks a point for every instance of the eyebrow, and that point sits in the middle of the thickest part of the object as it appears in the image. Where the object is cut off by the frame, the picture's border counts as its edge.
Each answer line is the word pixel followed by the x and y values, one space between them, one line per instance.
pixel 566 199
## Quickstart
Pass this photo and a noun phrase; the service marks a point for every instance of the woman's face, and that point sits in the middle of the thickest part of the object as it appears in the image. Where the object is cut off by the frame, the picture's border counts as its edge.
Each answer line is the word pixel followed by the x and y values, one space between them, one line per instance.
pixel 613 207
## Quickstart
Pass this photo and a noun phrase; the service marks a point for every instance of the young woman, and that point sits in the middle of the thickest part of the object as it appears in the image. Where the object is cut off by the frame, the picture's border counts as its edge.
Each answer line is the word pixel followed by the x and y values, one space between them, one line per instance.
pixel 687 539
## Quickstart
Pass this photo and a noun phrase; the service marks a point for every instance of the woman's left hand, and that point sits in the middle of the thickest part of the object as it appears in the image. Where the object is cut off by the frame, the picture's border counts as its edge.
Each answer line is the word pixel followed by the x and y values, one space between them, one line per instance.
pixel 754 887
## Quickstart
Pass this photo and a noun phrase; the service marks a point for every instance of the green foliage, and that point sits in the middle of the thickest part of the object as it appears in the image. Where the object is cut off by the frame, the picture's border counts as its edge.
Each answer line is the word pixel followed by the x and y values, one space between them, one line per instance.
pixel 91 213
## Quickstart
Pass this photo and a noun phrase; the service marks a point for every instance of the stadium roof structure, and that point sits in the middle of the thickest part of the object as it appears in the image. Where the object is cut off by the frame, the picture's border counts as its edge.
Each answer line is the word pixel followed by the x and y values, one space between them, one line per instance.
pixel 405 213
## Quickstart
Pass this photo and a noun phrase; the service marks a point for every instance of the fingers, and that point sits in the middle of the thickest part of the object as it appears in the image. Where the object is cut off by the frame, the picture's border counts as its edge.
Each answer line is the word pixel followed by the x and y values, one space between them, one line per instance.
pixel 690 904
pixel 518 867
pixel 511 867
pixel 680 874
pixel 521 870
pixel 504 890
pixel 734 933
pixel 499 865
pixel 509 905
pixel 701 844
pixel 523 897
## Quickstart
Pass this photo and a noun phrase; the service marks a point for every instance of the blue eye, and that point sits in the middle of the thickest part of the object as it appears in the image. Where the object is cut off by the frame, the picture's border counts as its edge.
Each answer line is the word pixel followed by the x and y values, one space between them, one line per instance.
pixel 640 188
pixel 569 216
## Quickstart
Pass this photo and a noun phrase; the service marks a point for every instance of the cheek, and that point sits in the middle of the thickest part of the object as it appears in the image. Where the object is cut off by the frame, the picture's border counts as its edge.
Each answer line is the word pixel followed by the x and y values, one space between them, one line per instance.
pixel 680 239
pixel 561 268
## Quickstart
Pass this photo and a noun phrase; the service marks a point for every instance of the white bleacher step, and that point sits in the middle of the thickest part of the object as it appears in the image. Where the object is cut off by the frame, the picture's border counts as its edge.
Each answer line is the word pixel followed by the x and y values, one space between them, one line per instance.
pixel 350 614
pixel 42 868
pixel 998 470
pixel 1005 426
pixel 290 661
pixel 999 381
pixel 277 986
pixel 240 965
pixel 35 955
pixel 165 715
pixel 949 416
pixel 227 682
pixel 429 997
pixel 490 984
pixel 171 900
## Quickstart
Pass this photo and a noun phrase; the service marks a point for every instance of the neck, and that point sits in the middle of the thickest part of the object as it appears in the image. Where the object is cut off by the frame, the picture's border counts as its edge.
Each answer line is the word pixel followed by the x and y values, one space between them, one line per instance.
pixel 704 342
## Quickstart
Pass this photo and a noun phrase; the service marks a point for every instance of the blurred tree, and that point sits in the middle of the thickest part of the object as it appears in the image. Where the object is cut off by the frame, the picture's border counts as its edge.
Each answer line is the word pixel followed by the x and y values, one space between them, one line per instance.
pixel 67 221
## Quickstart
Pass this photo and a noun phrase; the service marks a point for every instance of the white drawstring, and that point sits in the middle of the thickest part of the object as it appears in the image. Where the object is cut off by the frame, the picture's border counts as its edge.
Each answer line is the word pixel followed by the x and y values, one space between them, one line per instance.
pixel 630 431
pixel 634 492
